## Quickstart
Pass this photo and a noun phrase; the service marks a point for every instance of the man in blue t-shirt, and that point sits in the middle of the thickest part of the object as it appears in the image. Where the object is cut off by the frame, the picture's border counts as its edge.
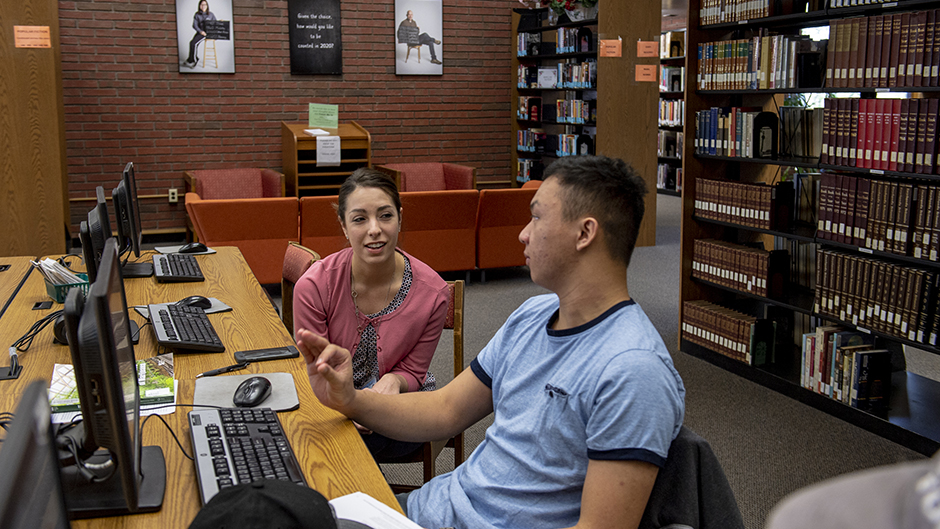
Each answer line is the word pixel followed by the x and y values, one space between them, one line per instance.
pixel 585 395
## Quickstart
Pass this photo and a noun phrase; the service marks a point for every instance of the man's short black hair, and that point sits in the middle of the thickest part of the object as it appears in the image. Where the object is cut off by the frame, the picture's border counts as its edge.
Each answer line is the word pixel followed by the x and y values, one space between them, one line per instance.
pixel 607 189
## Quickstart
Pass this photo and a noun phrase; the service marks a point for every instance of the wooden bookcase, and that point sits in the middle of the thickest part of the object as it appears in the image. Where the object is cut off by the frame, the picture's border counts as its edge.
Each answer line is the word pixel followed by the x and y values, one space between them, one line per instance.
pixel 912 419
pixel 302 176
pixel 626 108
pixel 669 94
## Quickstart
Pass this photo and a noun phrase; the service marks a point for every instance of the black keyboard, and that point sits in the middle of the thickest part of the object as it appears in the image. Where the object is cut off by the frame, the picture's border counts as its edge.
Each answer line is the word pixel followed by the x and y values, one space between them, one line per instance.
pixel 240 445
pixel 181 327
pixel 176 268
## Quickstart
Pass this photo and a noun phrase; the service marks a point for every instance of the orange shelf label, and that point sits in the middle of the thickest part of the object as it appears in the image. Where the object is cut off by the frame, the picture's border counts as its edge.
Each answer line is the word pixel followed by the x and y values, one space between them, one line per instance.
pixel 647 48
pixel 32 37
pixel 646 73
pixel 611 48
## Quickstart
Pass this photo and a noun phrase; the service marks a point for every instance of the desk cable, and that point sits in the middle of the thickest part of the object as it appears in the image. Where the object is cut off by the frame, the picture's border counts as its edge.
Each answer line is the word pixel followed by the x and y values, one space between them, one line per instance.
pixel 175 438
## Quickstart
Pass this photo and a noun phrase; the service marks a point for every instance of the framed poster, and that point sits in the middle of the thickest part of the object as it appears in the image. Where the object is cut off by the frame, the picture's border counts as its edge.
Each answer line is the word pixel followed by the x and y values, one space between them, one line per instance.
pixel 204 36
pixel 316 39
pixel 419 49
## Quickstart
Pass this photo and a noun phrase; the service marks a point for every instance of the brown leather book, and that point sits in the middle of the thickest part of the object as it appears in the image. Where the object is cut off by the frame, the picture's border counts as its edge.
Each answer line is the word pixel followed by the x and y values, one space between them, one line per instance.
pixel 920 220
pixel 827 131
pixel 920 23
pixel 878 66
pixel 894 52
pixel 862 51
pixel 929 38
pixel 853 52
pixel 863 191
pixel 838 208
pixel 886 38
pixel 902 133
pixel 873 54
pixel 921 136
pixel 853 133
pixel 838 38
pixel 902 230
pixel 895 115
pixel 935 55
pixel 831 54
pixel 903 59
pixel 891 215
pixel 930 145
pixel 913 112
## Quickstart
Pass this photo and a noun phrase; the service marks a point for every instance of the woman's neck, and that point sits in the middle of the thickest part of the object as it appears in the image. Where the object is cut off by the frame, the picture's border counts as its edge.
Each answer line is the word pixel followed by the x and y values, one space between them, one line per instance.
pixel 377 275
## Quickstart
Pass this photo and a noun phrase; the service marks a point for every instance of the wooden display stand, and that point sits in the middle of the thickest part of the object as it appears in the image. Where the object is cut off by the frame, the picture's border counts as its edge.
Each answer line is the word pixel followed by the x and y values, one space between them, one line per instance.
pixel 299 155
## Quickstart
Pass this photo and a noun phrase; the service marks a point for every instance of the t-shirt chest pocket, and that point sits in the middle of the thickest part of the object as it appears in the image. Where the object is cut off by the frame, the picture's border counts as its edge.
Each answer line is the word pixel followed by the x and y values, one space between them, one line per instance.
pixel 560 422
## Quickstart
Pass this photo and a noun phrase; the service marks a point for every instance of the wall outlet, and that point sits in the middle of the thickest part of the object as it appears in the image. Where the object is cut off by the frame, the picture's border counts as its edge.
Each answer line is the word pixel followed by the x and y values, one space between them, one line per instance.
pixel 174 196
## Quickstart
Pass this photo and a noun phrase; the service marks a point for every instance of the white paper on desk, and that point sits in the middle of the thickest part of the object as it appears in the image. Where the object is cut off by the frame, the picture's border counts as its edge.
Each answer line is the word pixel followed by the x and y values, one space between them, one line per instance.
pixel 328 150
pixel 362 508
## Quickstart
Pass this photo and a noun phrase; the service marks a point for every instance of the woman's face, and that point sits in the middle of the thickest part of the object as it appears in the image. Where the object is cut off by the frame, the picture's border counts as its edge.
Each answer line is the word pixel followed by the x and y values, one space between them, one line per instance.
pixel 371 224
pixel 204 6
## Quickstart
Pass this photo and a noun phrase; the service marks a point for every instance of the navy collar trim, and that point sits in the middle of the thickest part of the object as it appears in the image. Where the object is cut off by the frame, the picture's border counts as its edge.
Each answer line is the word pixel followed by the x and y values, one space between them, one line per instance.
pixel 585 326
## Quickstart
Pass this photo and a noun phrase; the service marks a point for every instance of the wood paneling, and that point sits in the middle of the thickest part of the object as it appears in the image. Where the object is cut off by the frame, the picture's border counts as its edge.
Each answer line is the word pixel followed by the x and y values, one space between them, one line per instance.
pixel 33 204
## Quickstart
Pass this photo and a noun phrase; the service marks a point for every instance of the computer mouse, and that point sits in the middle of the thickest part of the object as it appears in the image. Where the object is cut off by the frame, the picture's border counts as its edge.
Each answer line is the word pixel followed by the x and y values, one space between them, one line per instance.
pixel 252 392
pixel 196 301
pixel 193 247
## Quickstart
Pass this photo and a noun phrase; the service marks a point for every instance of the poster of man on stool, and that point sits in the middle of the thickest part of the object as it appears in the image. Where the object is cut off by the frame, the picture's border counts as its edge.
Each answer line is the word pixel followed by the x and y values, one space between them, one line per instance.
pixel 204 36
pixel 419 49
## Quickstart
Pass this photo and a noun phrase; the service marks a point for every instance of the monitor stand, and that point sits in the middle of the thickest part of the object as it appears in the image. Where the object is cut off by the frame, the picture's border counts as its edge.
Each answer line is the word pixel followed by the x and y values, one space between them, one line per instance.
pixel 137 270
pixel 95 500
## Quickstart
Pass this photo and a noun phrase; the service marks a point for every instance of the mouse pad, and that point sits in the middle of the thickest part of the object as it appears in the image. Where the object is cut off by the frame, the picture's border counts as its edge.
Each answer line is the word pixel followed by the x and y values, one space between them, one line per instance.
pixel 218 391
pixel 217 306
pixel 176 249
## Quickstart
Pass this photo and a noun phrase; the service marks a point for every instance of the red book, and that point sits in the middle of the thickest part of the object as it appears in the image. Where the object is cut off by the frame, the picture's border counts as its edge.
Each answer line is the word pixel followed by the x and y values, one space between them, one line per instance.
pixel 895 130
pixel 827 133
pixel 862 128
pixel 869 133
pixel 880 135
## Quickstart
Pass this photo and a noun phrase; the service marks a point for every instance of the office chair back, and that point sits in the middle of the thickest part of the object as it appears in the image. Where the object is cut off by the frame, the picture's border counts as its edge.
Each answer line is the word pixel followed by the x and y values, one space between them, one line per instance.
pixel 297 259
pixel 429 451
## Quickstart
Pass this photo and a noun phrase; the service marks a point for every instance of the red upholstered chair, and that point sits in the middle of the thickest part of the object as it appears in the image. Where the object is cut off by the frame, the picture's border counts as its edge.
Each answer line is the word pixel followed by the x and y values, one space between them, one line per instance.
pixel 501 216
pixel 259 227
pixel 297 259
pixel 531 184
pixel 432 176
pixel 319 225
pixel 439 228
pixel 217 184
pixel 429 452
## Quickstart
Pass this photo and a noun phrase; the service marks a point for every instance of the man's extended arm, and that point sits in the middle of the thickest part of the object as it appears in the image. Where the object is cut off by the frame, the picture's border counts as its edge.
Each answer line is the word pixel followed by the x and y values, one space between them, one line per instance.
pixel 615 493
pixel 417 416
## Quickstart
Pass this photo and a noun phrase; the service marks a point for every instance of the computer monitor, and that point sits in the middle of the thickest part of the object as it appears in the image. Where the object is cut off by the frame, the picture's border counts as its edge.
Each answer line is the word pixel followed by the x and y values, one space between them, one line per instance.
pixel 88 252
pixel 127 215
pixel 99 230
pixel 31 487
pixel 133 479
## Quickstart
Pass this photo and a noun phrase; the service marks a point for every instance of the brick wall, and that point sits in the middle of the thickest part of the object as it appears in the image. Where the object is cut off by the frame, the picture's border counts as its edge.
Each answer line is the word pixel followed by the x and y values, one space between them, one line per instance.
pixel 125 99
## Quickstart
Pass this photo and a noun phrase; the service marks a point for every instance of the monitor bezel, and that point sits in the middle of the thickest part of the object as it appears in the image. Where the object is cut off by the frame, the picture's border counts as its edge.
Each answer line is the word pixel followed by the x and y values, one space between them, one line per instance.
pixel 99 226
pixel 127 211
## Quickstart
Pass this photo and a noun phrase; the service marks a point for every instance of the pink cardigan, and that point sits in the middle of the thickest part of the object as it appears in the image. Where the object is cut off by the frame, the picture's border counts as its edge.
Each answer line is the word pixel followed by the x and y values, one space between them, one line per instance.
pixel 407 337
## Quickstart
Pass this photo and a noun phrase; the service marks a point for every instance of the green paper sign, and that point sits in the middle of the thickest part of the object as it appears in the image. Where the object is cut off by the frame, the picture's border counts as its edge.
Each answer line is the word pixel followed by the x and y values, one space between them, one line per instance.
pixel 324 116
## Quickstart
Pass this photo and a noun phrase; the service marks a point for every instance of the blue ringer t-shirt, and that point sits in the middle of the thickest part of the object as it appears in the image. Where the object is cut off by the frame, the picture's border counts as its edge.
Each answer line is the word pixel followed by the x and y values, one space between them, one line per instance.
pixel 604 390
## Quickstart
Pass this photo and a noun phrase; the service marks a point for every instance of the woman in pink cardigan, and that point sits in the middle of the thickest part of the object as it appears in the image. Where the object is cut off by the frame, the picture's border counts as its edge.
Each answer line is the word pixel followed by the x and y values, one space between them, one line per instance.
pixel 374 299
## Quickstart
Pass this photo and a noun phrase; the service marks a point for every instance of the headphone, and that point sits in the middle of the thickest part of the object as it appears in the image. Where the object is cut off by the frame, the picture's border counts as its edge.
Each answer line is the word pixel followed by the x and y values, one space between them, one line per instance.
pixel 58 331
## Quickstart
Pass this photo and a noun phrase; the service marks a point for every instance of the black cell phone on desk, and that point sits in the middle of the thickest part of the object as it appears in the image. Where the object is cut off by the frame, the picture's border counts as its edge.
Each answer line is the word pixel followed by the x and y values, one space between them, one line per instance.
pixel 273 353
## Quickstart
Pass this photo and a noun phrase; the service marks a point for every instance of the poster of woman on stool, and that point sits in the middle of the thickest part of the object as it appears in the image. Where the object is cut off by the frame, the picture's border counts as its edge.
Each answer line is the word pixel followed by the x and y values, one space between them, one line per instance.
pixel 419 46
pixel 204 36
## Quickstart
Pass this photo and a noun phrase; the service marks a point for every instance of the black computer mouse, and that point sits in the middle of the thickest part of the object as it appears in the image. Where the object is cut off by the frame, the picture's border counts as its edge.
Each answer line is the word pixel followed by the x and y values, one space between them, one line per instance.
pixel 196 301
pixel 193 247
pixel 252 392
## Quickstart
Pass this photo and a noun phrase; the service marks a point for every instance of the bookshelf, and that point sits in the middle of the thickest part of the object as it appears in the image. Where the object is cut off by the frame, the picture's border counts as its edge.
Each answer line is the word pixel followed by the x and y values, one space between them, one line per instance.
pixel 302 175
pixel 671 134
pixel 911 419
pixel 620 130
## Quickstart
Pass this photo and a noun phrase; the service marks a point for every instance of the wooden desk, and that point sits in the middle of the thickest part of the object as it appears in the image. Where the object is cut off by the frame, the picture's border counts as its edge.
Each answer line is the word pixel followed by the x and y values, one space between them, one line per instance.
pixel 11 278
pixel 331 454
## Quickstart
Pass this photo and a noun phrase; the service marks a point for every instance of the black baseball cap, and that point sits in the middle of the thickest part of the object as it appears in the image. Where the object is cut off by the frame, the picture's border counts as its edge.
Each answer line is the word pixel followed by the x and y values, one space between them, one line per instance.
pixel 267 503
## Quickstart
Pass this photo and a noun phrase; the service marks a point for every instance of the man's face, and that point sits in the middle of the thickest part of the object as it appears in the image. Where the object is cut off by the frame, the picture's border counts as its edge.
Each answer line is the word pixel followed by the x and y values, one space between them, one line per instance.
pixel 408 15
pixel 550 240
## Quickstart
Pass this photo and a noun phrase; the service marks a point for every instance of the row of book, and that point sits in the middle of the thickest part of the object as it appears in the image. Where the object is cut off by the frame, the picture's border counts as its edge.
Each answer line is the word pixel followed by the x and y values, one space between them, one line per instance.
pixel 669 144
pixel 736 131
pixel 528 169
pixel 723 11
pixel 728 332
pixel 760 63
pixel 882 134
pixel 537 141
pixel 573 75
pixel 738 267
pixel 668 177
pixel 888 216
pixel 671 112
pixel 884 51
pixel 854 3
pixel 846 366
pixel 671 78
pixel 893 299
pixel 672 44
pixel 529 108
pixel 574 40
pixel 756 205
pixel 801 132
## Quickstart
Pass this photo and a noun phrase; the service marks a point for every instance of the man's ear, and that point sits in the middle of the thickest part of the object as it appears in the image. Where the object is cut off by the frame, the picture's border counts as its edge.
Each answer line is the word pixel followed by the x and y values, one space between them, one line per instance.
pixel 589 229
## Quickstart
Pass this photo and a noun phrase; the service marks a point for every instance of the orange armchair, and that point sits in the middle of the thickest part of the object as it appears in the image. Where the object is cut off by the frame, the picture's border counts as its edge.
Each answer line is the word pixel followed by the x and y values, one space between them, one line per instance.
pixel 438 227
pixel 319 225
pixel 433 176
pixel 214 184
pixel 259 227
pixel 501 216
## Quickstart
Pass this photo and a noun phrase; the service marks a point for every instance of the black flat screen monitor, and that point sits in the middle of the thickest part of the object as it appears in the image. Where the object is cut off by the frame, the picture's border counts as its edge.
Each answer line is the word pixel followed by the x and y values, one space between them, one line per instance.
pixel 99 230
pixel 30 484
pixel 106 371
pixel 88 251
pixel 127 215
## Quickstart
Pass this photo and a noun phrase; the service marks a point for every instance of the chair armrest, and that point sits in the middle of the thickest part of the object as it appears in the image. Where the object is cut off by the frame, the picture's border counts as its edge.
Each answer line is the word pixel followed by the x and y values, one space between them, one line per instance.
pixel 459 176
pixel 394 174
pixel 189 182
pixel 189 199
pixel 272 183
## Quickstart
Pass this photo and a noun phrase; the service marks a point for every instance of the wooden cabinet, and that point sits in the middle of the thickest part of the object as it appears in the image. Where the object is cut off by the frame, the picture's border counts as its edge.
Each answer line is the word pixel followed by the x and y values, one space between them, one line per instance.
pixel 911 418
pixel 302 175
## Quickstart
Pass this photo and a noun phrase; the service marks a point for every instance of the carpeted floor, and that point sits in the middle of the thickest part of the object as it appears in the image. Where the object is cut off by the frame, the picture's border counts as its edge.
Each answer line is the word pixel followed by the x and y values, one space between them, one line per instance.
pixel 768 444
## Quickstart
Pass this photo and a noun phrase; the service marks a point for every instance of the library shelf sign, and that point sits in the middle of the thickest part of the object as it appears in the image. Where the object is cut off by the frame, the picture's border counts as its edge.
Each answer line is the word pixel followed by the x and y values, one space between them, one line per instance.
pixel 316 44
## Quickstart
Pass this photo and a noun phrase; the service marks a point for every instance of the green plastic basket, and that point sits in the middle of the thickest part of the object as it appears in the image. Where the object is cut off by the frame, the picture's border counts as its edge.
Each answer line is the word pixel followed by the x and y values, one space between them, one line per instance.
pixel 58 292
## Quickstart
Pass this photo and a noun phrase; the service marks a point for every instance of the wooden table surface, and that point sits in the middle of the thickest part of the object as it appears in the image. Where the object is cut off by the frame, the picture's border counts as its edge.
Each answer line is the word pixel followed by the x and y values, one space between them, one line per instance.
pixel 331 454
pixel 10 279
